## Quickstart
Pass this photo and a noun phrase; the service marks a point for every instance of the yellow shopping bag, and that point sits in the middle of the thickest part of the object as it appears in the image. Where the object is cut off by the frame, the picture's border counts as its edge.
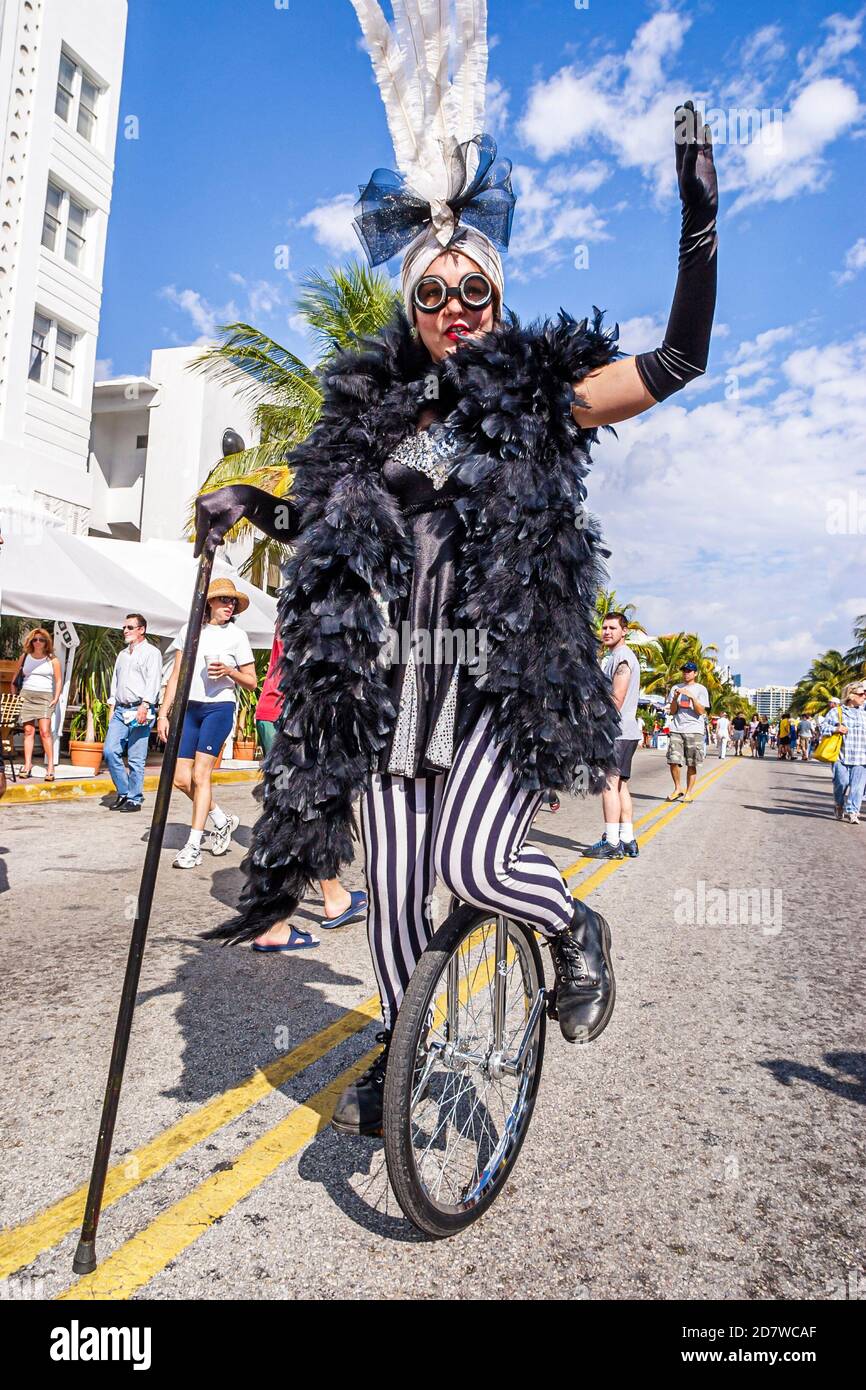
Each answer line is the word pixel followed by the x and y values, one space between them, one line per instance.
pixel 829 748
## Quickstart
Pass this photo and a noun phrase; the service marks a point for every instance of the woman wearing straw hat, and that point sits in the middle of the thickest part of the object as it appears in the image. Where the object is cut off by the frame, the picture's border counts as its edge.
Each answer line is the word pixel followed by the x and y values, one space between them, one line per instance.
pixel 443 493
pixel 224 661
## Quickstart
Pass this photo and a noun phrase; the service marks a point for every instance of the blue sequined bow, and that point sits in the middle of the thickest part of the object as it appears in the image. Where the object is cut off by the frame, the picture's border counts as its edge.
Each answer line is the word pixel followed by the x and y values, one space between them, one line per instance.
pixel 389 213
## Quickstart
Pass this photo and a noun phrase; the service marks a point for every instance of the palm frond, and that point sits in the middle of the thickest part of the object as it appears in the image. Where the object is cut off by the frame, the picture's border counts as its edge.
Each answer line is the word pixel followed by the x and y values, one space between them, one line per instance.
pixel 346 304
pixel 258 367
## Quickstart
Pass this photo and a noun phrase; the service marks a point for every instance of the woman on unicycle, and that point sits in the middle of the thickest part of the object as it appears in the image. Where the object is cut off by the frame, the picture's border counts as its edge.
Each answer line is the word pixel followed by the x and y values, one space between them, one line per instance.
pixel 442 496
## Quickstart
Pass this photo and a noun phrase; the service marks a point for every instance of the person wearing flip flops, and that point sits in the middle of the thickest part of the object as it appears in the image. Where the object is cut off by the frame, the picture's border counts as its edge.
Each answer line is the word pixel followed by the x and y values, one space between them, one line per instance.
pixel 689 704
pixel 342 907
pixel 224 661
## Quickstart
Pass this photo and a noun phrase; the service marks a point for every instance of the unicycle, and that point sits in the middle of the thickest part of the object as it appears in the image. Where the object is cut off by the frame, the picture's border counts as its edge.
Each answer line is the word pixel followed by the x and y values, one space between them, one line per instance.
pixel 464 1069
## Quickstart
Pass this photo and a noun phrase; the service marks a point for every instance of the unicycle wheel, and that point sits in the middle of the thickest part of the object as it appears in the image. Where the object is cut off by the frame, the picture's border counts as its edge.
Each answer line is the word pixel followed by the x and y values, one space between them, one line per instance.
pixel 464 1069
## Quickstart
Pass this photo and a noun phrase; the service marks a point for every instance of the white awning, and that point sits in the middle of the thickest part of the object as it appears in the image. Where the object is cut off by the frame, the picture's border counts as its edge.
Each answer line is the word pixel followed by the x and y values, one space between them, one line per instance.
pixel 48 573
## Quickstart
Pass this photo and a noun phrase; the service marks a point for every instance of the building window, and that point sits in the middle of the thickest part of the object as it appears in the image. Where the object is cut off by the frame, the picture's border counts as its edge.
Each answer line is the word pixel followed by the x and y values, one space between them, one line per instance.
pixel 51 220
pixel 77 99
pixel 39 348
pixel 52 355
pixel 65 99
pixel 141 441
pixel 76 221
pixel 64 361
pixel 64 225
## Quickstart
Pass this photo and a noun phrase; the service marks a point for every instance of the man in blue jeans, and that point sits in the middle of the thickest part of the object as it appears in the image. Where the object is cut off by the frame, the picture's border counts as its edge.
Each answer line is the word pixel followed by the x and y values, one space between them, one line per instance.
pixel 132 702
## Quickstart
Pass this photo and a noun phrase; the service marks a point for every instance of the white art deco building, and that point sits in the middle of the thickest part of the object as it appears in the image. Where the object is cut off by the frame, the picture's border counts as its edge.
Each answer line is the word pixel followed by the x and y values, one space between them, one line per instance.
pixel 61 63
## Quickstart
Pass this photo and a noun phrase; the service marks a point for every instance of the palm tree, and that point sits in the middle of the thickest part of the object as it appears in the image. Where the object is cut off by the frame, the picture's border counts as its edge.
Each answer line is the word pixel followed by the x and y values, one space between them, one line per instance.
pixel 664 658
pixel 92 670
pixel 823 681
pixel 341 307
pixel 606 601
pixel 856 657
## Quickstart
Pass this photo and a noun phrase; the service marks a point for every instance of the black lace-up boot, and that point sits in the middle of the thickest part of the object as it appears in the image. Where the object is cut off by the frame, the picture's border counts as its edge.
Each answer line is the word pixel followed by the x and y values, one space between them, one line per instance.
pixel 359 1109
pixel 585 989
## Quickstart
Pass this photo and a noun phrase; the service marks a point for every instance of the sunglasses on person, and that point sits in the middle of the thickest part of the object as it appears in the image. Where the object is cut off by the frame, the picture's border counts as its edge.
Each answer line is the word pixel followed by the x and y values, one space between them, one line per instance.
pixel 431 293
pixel 130 627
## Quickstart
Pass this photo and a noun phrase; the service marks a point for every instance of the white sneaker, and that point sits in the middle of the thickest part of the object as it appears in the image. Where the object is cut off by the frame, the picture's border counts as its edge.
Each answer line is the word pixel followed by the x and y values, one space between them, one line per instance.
pixel 221 839
pixel 187 858
pixel 851 817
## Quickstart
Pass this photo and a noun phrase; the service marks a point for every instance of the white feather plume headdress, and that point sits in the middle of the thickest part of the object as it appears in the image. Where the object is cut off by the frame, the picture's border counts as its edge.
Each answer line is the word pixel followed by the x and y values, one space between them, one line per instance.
pixel 431 68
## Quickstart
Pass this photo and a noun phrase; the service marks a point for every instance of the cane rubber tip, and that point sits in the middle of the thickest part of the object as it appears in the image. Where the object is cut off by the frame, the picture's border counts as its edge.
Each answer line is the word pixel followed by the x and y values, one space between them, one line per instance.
pixel 85 1257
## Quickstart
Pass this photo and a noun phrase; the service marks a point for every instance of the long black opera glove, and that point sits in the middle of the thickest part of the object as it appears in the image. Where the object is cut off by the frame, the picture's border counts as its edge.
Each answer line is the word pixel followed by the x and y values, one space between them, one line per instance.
pixel 217 512
pixel 685 349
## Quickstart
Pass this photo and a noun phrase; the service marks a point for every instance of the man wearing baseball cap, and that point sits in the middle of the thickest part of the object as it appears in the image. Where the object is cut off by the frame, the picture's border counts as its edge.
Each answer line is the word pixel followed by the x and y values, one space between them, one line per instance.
pixel 688 707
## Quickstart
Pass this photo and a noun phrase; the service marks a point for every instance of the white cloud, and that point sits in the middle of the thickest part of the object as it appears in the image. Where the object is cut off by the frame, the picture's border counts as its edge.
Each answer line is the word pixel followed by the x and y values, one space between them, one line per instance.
pixel 651 51
pixel 551 225
pixel 104 369
pixel 263 296
pixel 755 355
pixel 331 224
pixel 623 104
pixel 844 36
pixel 718 515
pixel 793 162
pixel 206 318
pixel 766 45
pixel 855 261
pixel 496 107
pixel 641 334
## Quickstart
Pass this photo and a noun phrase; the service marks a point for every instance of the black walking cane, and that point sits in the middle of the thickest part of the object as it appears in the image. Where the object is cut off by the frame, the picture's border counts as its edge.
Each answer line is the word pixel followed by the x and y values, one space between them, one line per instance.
pixel 85 1255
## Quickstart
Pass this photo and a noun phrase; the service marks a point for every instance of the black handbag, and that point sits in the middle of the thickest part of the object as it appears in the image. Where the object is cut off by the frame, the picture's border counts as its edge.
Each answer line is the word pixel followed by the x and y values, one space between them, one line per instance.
pixel 18 683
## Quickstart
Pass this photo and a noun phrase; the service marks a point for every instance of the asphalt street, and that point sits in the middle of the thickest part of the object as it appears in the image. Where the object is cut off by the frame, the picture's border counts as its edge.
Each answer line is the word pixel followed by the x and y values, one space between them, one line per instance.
pixel 708 1145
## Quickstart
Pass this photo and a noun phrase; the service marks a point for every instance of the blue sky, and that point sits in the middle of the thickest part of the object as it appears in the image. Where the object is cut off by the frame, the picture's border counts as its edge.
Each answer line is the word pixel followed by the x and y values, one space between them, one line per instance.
pixel 737 509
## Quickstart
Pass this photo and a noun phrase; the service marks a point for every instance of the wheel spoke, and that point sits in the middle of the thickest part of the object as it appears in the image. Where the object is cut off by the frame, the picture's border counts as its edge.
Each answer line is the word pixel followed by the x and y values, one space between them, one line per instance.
pixel 465 1114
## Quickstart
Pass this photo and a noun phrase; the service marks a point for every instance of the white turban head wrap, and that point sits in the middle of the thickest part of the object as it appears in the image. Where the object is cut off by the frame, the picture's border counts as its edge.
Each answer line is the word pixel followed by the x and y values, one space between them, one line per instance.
pixel 467 241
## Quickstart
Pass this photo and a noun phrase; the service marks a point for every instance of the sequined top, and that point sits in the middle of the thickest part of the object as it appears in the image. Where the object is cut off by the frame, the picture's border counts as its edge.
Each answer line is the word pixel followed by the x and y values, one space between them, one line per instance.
pixel 426 677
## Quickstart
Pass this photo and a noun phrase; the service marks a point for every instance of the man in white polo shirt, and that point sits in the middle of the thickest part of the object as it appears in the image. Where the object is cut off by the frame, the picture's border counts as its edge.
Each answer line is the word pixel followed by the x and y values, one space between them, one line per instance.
pixel 621 667
pixel 132 704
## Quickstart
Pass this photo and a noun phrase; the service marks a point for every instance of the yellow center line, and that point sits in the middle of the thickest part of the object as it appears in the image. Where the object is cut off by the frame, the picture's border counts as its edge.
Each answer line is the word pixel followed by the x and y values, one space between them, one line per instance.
pixel 675 809
pixel 663 805
pixel 21 1244
pixel 147 1253
pixel 142 1256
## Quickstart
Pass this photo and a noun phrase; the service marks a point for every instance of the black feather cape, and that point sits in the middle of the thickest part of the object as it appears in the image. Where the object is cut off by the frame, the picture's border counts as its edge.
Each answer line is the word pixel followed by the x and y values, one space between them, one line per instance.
pixel 529 572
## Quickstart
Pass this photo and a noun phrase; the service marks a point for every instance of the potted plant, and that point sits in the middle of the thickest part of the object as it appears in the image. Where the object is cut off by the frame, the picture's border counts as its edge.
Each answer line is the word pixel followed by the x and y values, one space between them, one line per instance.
pixel 87 730
pixel 245 726
pixel 91 682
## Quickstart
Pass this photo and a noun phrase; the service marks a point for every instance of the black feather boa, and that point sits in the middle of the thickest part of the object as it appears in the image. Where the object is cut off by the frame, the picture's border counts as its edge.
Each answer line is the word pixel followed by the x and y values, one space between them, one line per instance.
pixel 530 570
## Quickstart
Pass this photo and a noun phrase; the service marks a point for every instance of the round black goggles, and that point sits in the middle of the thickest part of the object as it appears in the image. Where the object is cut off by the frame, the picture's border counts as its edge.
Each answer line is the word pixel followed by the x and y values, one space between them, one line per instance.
pixel 431 293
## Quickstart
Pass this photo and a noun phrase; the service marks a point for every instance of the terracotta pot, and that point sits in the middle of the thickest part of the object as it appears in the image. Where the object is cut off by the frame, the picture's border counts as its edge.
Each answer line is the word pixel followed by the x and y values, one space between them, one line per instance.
pixel 84 754
pixel 245 751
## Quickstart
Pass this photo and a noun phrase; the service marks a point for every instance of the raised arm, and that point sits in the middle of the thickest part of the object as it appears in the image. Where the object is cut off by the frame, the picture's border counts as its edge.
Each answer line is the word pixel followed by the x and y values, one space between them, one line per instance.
pixel 626 388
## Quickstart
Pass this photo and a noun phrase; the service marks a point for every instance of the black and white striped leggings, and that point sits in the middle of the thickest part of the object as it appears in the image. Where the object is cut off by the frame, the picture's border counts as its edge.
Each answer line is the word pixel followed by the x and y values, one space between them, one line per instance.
pixel 467 827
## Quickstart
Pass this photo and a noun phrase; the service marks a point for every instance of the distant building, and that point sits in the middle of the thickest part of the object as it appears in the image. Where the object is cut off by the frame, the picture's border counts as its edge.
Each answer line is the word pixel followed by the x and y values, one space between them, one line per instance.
pixel 60 71
pixel 772 700
pixel 153 442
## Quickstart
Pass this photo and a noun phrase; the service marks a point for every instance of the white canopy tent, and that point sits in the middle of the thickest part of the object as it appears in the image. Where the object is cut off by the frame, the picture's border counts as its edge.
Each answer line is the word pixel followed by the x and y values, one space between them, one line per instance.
pixel 84 579
pixel 47 573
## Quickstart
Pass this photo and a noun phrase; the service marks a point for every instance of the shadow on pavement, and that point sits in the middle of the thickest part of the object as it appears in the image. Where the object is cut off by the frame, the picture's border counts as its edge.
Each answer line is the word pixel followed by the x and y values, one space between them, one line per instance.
pixel 793 809
pixel 177 833
pixel 238 1011
pixel 847 1064
pixel 4 873
pixel 333 1160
